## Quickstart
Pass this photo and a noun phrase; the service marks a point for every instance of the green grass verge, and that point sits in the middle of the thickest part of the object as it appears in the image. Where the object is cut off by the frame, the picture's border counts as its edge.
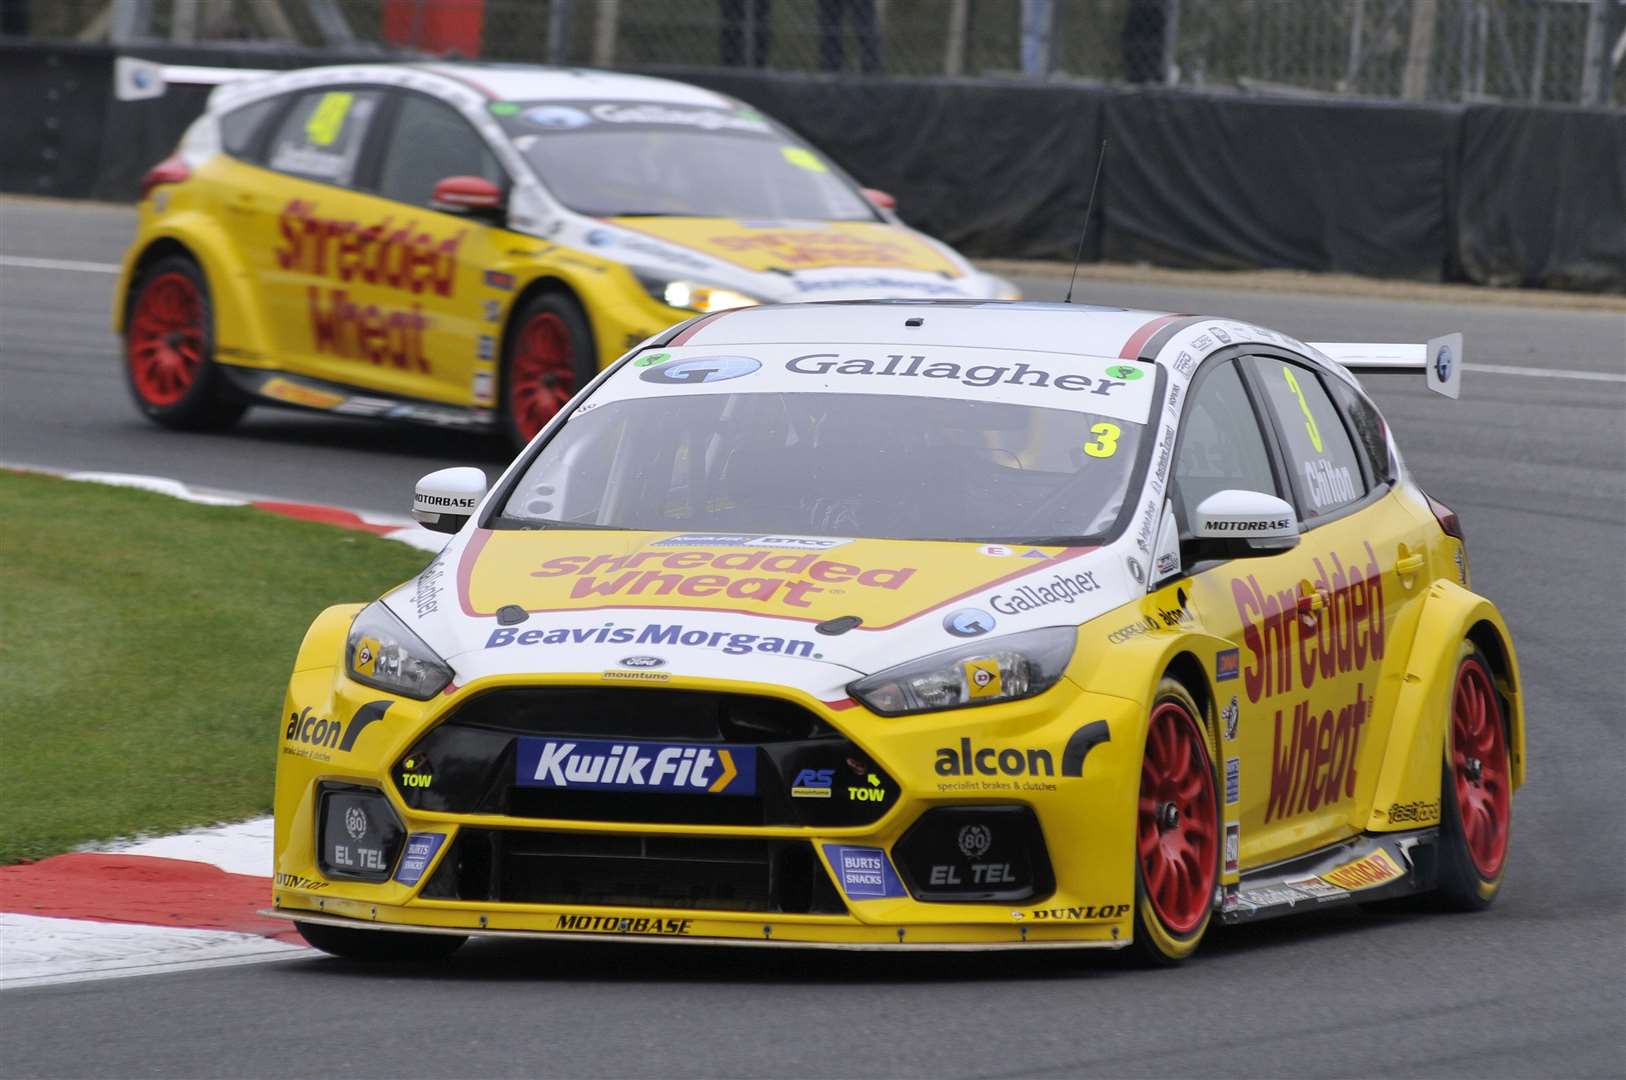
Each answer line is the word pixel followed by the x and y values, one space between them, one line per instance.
pixel 146 643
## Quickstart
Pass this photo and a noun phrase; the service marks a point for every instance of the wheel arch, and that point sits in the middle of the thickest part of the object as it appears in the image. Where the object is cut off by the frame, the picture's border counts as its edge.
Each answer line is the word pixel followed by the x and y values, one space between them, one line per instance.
pixel 1184 668
pixel 1408 767
pixel 238 319
pixel 1491 639
pixel 546 285
pixel 161 248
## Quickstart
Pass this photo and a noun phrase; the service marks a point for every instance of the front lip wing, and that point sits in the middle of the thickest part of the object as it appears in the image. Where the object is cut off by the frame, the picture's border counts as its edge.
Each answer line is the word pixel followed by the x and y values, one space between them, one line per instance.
pixel 647 939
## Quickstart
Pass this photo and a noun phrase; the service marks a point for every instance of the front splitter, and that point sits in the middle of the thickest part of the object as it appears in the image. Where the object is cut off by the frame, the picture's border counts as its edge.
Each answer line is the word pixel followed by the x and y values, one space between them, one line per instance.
pixel 665 939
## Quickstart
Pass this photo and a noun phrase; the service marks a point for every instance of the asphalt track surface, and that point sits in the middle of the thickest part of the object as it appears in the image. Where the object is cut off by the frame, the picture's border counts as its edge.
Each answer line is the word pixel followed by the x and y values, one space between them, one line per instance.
pixel 1534 462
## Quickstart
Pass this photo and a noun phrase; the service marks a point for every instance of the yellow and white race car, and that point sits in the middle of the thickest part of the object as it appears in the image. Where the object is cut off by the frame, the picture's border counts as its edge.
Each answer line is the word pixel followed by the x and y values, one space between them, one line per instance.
pixel 467 245
pixel 915 625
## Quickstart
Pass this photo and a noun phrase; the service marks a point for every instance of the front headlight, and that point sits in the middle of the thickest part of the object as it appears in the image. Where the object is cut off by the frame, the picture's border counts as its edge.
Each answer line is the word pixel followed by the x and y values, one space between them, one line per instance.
pixel 382 652
pixel 976 673
pixel 696 296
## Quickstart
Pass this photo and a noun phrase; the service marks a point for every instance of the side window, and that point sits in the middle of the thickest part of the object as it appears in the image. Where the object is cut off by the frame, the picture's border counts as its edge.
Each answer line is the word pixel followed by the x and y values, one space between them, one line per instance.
pixel 321 136
pixel 240 128
pixel 1321 457
pixel 430 143
pixel 1221 445
pixel 1371 437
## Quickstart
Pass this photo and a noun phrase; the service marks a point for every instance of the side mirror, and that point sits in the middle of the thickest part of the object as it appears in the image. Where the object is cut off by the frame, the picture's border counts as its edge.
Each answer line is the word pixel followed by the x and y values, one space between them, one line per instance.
pixel 1237 524
pixel 445 500
pixel 882 200
pixel 473 195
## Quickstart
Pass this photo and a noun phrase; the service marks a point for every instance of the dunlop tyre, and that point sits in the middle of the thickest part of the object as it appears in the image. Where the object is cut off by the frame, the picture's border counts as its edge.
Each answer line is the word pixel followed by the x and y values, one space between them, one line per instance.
pixel 1473 854
pixel 1156 942
pixel 379 946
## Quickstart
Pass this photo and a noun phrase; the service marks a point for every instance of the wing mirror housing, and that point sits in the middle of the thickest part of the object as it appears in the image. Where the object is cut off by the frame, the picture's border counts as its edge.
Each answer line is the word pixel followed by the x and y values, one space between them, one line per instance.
pixel 881 200
pixel 474 196
pixel 445 500
pixel 1238 524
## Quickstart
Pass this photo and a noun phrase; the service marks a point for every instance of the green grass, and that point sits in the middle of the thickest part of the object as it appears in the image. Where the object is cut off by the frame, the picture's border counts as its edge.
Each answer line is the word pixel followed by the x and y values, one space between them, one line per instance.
pixel 145 644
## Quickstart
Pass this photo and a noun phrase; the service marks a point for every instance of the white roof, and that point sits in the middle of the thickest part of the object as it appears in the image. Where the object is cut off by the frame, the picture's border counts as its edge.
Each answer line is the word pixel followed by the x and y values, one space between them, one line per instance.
pixel 523 83
pixel 1078 329
pixel 467 84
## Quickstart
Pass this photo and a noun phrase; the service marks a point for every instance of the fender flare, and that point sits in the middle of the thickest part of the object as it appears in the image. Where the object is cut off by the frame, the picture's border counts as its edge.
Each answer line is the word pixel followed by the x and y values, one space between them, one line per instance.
pixel 239 321
pixel 1410 767
pixel 323 645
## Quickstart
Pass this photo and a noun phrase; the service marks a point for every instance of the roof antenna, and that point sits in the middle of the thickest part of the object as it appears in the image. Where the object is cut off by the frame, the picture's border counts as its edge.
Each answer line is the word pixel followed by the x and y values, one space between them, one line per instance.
pixel 1102 156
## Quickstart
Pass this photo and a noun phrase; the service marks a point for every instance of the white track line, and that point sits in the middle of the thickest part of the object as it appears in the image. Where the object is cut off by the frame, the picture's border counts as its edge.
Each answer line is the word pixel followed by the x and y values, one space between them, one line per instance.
pixel 23 262
pixel 1548 373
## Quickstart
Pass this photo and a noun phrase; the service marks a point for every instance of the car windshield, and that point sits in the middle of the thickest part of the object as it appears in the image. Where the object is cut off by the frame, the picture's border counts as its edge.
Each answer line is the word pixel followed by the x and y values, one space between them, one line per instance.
pixel 621 159
pixel 678 446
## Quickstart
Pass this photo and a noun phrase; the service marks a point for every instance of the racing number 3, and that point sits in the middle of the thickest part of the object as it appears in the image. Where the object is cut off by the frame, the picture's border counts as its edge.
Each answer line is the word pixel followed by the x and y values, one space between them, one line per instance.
pixel 1106 440
pixel 1304 407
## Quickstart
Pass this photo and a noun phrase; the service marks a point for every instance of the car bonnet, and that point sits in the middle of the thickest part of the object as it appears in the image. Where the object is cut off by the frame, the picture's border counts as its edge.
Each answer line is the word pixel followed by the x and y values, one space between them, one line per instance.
pixel 806 612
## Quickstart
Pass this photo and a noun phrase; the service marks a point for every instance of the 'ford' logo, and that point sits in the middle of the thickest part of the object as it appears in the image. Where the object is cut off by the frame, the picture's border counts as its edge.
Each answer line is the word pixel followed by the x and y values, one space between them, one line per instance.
pixel 1442 363
pixel 643 661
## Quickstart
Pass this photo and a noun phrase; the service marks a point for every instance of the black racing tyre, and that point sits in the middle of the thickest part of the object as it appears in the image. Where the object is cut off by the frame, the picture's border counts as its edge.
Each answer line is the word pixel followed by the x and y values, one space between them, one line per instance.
pixel 1476 789
pixel 169 350
pixel 548 355
pixel 380 946
pixel 1178 830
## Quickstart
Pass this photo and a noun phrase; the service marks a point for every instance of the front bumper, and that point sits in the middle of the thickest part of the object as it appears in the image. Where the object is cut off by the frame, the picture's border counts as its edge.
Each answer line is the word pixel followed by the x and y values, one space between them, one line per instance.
pixel 1044 837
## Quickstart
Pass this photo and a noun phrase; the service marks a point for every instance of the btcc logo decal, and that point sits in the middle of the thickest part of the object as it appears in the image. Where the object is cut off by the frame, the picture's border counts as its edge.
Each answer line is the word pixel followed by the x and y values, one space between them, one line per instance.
pixel 670 768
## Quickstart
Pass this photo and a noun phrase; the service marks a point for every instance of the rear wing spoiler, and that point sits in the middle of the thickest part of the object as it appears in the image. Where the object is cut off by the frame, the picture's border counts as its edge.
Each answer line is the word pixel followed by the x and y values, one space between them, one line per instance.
pixel 142 80
pixel 1440 360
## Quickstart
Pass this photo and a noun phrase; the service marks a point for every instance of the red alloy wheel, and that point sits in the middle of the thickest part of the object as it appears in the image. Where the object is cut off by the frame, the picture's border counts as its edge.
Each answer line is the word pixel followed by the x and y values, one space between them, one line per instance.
pixel 165 343
pixel 1178 835
pixel 542 372
pixel 1479 764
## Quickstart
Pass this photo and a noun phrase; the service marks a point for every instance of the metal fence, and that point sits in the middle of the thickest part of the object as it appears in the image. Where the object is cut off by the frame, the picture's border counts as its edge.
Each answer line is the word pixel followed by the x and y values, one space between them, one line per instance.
pixel 1568 51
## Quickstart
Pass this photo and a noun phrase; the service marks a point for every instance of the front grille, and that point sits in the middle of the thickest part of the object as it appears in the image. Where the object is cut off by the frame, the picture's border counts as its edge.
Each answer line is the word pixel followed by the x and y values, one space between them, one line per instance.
pixel 806 772
pixel 681 872
pixel 626 712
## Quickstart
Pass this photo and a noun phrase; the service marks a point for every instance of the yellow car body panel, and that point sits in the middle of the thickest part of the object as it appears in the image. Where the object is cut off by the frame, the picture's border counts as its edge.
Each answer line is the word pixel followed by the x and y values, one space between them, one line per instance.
pixel 290 295
pixel 1090 818
pixel 1320 667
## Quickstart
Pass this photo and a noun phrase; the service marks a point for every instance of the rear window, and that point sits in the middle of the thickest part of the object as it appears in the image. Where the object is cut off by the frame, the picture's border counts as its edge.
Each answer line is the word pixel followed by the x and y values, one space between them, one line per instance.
pixel 240 129
pixel 1371 436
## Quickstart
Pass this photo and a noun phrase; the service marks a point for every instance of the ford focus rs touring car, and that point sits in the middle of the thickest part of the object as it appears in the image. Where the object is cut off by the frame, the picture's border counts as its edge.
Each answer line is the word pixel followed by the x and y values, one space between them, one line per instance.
pixel 467 245
pixel 915 625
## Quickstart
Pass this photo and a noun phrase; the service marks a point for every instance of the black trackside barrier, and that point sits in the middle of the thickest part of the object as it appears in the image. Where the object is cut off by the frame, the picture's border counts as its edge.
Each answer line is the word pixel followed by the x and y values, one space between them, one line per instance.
pixel 1534 196
pixel 997 169
pixel 1542 196
pixel 1214 182
pixel 52 125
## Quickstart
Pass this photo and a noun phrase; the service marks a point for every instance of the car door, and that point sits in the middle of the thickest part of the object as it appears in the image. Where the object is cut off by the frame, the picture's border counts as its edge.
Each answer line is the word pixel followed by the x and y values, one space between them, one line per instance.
pixel 310 246
pixel 1325 628
pixel 1224 443
pixel 456 316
